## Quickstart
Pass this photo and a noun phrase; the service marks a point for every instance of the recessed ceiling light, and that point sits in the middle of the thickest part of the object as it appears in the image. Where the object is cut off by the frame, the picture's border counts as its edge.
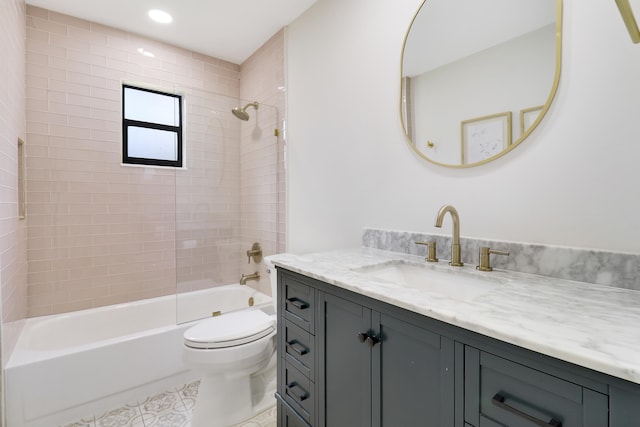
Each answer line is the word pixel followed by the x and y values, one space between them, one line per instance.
pixel 160 16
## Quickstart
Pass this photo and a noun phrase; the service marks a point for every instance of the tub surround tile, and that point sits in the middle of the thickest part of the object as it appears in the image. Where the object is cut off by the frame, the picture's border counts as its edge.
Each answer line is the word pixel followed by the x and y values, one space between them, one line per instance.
pixel 13 269
pixel 620 270
pixel 586 324
pixel 85 204
pixel 261 158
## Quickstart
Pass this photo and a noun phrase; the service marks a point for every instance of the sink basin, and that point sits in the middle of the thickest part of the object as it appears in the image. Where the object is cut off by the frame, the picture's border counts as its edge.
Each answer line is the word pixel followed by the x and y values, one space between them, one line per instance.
pixel 454 282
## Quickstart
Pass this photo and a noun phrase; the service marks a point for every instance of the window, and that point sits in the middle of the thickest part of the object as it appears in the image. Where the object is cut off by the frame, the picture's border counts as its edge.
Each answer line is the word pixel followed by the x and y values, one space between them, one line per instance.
pixel 151 127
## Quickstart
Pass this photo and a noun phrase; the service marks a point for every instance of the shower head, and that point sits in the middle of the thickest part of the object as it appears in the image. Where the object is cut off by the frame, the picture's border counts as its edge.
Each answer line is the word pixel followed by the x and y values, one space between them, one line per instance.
pixel 241 113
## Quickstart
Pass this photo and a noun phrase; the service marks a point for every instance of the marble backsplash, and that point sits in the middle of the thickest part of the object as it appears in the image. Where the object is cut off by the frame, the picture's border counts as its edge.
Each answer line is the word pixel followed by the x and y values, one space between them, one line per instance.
pixel 586 265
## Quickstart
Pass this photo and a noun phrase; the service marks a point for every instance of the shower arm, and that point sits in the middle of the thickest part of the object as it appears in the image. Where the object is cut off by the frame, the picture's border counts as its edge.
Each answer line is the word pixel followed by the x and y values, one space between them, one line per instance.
pixel 253 104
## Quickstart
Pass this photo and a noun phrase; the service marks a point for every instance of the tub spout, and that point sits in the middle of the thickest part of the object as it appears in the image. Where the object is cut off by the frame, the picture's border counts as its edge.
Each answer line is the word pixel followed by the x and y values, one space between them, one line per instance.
pixel 246 277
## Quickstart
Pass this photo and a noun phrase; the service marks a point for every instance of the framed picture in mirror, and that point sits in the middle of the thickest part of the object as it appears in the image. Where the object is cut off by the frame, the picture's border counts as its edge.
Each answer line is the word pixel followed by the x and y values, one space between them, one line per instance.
pixel 528 116
pixel 485 137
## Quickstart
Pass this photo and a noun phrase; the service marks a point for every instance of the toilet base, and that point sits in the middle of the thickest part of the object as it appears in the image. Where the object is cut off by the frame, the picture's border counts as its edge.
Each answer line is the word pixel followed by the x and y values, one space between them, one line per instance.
pixel 224 401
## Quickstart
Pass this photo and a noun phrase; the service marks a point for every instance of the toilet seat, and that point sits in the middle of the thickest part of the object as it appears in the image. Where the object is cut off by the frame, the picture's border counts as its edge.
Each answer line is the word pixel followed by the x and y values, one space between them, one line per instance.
pixel 230 330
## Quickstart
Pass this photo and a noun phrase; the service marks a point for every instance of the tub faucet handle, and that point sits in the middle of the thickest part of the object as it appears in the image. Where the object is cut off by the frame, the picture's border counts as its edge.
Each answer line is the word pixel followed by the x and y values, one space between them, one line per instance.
pixel 255 252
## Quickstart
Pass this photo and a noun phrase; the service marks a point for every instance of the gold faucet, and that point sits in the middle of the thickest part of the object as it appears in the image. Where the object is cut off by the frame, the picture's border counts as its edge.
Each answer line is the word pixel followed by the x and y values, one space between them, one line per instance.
pixel 245 277
pixel 455 242
pixel 485 258
pixel 431 251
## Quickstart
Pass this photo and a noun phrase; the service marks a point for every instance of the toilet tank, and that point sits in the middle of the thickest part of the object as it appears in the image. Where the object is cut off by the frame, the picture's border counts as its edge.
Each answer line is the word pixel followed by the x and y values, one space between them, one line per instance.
pixel 273 280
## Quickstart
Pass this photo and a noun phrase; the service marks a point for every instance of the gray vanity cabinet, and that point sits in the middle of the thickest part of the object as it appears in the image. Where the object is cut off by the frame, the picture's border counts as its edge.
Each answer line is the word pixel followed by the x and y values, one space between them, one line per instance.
pixel 347 360
pixel 378 370
pixel 344 363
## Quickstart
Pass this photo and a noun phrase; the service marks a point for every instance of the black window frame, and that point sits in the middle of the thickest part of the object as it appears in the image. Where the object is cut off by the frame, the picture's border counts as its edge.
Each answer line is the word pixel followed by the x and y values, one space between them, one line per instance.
pixel 126 123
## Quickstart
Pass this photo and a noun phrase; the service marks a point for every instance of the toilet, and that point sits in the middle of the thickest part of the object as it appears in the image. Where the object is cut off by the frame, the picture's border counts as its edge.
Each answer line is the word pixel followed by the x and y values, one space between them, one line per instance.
pixel 227 350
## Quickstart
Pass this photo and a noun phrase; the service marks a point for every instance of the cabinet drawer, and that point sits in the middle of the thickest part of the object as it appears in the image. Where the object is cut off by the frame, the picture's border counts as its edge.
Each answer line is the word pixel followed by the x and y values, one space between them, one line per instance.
pixel 298 303
pixel 505 393
pixel 287 417
pixel 298 346
pixel 297 391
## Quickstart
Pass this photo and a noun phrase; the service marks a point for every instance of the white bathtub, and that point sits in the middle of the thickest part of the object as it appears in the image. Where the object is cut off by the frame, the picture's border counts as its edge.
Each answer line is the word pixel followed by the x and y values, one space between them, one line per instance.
pixel 72 365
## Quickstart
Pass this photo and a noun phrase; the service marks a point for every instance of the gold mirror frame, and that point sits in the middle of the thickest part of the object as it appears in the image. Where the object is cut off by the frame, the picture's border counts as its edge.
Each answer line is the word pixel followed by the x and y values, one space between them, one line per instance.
pixel 629 20
pixel 544 108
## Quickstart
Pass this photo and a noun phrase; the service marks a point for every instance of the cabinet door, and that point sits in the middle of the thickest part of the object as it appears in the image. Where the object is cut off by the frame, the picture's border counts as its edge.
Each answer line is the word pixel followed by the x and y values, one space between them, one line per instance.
pixel 413 376
pixel 344 371
pixel 625 404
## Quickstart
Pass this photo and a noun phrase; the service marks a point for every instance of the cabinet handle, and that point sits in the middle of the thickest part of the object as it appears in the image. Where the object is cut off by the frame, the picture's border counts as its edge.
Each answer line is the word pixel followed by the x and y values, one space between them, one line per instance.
pixel 297 303
pixel 297 347
pixel 369 339
pixel 299 397
pixel 498 400
pixel 372 341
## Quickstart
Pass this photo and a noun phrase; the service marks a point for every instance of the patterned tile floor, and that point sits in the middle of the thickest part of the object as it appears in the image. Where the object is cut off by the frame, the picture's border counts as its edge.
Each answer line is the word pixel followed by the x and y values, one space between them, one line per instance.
pixel 167 409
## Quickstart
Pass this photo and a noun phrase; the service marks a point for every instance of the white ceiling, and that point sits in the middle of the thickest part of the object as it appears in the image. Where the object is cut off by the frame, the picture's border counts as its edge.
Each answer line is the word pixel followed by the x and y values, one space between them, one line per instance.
pixel 227 29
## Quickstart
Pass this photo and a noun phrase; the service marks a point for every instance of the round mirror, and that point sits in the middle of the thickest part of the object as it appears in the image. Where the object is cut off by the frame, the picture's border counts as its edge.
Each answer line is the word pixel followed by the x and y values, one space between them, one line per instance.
pixel 478 76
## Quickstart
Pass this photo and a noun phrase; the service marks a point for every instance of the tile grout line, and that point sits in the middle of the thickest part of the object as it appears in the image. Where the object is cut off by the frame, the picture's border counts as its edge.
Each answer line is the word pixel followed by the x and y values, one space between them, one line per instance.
pixel 184 405
pixel 144 424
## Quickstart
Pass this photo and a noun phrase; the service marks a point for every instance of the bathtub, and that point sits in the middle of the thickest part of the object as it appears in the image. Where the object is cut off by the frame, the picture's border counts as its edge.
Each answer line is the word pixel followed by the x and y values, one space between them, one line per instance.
pixel 72 365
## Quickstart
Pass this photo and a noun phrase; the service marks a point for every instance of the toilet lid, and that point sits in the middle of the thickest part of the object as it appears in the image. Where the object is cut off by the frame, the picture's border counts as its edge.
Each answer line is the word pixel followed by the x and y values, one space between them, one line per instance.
pixel 230 330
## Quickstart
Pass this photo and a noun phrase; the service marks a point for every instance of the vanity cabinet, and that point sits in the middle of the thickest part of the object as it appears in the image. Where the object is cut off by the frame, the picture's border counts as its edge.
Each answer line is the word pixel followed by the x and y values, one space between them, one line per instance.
pixel 378 370
pixel 347 360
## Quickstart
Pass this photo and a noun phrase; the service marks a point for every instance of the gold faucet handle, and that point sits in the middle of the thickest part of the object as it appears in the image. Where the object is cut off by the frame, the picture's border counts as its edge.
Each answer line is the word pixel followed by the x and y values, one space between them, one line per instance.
pixel 431 250
pixel 485 258
pixel 255 252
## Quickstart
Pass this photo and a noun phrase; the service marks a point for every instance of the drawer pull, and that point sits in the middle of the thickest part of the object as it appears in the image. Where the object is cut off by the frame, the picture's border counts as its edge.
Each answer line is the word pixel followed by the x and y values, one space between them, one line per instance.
pixel 297 303
pixel 300 397
pixel 362 336
pixel 297 347
pixel 498 400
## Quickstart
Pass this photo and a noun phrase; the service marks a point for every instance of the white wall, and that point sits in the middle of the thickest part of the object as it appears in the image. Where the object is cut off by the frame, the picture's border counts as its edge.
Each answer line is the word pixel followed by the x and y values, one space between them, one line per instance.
pixel 572 183
pixel 514 75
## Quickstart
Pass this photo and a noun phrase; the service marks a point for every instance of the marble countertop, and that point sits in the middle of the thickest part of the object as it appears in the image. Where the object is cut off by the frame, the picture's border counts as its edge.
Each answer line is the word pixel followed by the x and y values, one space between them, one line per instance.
pixel 594 326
